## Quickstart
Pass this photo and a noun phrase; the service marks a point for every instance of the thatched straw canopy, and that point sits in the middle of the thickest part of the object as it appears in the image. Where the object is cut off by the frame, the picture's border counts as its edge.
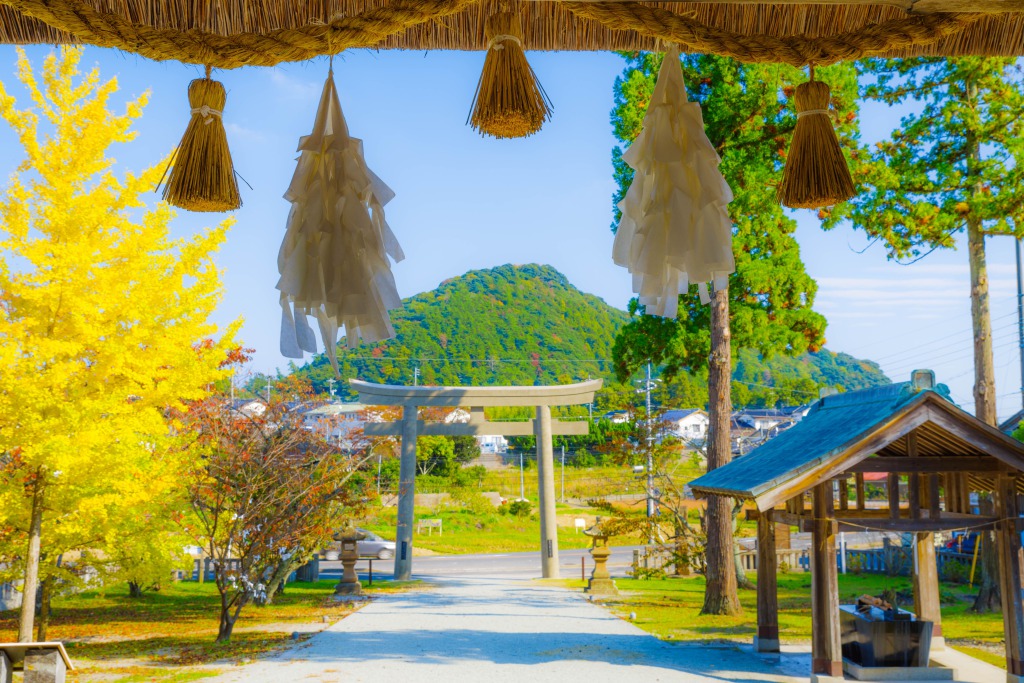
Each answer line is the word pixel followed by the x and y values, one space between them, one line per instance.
pixel 230 33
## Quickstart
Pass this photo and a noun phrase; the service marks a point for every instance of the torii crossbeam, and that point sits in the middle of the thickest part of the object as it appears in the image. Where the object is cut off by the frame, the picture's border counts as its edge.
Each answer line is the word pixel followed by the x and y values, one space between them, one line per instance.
pixel 476 399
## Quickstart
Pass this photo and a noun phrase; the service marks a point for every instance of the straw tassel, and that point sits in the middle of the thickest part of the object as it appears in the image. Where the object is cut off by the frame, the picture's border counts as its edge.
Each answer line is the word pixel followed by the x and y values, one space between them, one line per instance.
pixel 509 101
pixel 202 177
pixel 816 173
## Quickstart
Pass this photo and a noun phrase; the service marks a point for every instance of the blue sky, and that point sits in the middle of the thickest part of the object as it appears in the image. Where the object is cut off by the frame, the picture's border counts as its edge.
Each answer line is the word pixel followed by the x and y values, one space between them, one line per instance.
pixel 466 202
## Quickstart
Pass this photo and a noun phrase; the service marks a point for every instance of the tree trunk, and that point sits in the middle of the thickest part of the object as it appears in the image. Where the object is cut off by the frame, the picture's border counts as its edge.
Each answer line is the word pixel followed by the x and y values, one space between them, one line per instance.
pixel 276 583
pixel 720 595
pixel 227 624
pixel 984 367
pixel 44 609
pixel 988 599
pixel 134 590
pixel 28 601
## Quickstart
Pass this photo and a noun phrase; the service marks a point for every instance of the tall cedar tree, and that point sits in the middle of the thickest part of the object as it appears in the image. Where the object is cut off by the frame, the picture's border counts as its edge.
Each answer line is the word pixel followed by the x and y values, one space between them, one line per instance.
pixel 955 166
pixel 102 317
pixel 768 307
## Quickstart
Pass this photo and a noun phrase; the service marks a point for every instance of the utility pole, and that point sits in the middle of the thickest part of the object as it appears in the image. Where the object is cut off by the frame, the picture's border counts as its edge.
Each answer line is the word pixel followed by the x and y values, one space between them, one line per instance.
pixel 1020 319
pixel 268 391
pixel 330 384
pixel 416 376
pixel 522 482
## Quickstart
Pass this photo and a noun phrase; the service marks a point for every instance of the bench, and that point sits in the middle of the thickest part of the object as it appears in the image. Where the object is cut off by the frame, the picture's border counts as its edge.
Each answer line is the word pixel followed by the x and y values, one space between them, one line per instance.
pixel 429 525
pixel 41 662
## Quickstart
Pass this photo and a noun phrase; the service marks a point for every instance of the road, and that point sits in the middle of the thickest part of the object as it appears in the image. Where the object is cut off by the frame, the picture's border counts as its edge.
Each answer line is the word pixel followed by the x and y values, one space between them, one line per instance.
pixel 510 565
pixel 527 565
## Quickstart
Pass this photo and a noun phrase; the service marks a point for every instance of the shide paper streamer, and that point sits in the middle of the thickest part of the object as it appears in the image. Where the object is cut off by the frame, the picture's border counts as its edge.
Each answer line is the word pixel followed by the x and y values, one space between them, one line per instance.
pixel 334 259
pixel 675 227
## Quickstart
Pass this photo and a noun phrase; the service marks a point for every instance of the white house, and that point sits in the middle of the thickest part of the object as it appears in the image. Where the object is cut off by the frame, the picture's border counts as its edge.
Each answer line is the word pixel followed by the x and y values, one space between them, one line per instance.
pixel 690 424
pixel 337 422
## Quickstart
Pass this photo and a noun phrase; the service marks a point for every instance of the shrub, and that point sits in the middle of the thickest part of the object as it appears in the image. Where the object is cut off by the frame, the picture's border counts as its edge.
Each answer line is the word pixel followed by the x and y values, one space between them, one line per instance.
pixel 954 571
pixel 520 508
pixel 855 563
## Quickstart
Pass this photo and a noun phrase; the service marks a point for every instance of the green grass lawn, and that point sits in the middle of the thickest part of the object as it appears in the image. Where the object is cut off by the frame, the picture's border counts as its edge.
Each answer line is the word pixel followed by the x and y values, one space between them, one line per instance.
pixel 470 532
pixel 670 609
pixel 168 636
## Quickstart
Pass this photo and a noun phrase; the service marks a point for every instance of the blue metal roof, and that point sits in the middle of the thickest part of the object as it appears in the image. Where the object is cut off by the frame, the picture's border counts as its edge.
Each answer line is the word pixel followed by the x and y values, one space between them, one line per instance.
pixel 833 424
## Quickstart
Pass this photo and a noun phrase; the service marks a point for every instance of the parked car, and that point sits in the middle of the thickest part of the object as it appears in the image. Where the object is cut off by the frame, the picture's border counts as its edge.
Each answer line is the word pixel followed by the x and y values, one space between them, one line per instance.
pixel 372 546
pixel 963 542
pixel 375 546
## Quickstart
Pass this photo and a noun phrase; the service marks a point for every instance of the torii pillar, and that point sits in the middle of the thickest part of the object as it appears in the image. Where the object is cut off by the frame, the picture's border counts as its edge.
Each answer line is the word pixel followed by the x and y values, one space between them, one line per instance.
pixel 476 399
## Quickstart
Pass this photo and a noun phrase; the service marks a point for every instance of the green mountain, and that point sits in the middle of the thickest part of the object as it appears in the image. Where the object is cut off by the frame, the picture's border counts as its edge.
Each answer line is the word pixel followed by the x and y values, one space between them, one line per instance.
pixel 505 325
pixel 528 325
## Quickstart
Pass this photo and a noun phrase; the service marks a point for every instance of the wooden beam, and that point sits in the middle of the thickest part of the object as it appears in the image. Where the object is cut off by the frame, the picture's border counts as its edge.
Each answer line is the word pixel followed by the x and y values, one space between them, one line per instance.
pixel 859 484
pixel 1011 574
pixel 985 438
pixel 767 639
pixel 844 494
pixel 927 465
pixel 826 651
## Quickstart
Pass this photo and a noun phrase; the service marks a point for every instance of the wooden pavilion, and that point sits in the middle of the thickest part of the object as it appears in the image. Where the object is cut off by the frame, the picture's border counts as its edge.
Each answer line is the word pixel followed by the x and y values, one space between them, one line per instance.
pixel 934 454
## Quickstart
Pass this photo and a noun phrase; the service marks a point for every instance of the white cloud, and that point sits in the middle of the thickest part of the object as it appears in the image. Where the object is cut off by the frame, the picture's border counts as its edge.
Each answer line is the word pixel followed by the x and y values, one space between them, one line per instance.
pixel 292 87
pixel 240 132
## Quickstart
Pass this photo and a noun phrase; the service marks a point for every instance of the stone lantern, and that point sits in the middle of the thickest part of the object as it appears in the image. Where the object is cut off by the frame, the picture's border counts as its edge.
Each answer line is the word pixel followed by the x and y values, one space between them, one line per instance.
pixel 600 580
pixel 349 583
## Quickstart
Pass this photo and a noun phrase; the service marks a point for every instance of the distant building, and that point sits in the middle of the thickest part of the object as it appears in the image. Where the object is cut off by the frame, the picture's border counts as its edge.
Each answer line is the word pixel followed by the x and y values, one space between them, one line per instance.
pixel 337 422
pixel 767 418
pixel 689 424
pixel 1010 425
pixel 617 417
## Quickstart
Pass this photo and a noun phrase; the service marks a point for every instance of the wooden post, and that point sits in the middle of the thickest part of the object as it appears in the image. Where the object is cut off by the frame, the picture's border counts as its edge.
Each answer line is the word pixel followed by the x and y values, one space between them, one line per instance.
pixel 952 482
pixel 893 485
pixel 965 494
pixel 826 650
pixel 933 496
pixel 913 480
pixel 844 494
pixel 926 586
pixel 767 638
pixel 859 483
pixel 1008 547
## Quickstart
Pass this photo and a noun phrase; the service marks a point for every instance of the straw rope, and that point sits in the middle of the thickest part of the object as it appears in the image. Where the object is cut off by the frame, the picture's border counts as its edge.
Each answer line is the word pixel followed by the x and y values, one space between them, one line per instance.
pixel 798 50
pixel 85 22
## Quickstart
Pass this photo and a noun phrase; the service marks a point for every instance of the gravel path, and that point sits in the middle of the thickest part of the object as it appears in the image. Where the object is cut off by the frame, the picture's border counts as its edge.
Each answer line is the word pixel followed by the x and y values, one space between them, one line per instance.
pixel 504 630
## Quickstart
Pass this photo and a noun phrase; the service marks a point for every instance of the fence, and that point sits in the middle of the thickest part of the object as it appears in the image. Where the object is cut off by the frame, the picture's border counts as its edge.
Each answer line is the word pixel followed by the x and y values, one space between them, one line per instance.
pixel 209 573
pixel 892 560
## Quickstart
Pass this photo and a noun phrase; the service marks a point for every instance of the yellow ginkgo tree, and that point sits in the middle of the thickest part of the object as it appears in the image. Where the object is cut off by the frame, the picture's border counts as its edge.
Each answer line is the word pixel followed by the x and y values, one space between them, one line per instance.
pixel 104 327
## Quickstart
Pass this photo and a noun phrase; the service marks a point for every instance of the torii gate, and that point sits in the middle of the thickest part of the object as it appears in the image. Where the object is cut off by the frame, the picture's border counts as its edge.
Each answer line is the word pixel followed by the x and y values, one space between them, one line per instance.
pixel 476 399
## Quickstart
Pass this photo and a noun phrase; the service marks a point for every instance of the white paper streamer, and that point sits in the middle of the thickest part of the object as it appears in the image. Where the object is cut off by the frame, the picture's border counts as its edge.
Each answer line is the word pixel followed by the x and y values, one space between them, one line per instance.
pixel 675 227
pixel 334 258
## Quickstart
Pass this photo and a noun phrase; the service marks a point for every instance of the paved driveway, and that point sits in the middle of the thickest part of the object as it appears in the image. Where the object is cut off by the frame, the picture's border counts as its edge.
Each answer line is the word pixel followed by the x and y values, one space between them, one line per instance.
pixel 505 630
